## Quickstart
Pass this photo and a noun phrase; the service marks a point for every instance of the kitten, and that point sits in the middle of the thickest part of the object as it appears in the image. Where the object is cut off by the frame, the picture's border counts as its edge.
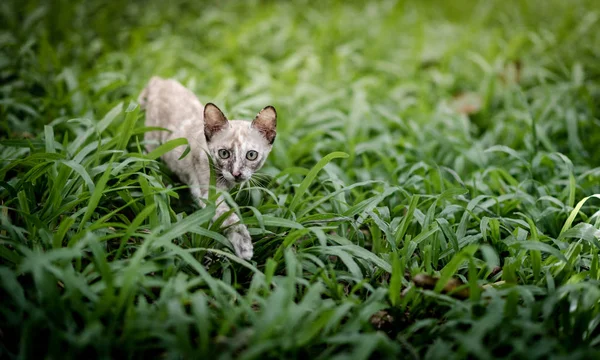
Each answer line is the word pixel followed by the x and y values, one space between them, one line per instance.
pixel 238 148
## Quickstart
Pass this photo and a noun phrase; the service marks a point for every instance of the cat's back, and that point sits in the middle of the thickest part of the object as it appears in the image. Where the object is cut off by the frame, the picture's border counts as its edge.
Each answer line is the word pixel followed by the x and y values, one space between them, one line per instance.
pixel 167 102
pixel 170 105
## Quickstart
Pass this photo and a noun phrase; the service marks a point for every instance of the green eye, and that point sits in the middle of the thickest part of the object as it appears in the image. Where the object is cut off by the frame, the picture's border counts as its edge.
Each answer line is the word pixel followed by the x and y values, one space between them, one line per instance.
pixel 224 154
pixel 251 155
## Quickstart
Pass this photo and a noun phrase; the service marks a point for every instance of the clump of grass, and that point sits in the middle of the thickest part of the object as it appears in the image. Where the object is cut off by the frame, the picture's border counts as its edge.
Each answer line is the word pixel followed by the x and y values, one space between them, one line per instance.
pixel 455 140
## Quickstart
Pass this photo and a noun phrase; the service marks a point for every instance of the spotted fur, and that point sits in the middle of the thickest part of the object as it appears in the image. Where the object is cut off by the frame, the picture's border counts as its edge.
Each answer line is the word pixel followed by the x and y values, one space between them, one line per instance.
pixel 169 105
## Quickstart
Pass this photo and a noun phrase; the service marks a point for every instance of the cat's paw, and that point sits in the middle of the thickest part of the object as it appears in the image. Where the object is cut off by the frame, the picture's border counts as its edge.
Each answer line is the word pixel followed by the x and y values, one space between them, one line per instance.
pixel 241 241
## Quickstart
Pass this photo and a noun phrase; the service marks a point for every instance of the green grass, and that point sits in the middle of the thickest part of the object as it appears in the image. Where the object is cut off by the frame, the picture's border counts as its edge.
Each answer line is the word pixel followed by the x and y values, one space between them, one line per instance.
pixel 380 172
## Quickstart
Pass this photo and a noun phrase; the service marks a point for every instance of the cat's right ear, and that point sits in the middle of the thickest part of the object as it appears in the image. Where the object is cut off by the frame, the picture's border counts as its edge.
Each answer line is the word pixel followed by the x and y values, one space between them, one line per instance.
pixel 214 120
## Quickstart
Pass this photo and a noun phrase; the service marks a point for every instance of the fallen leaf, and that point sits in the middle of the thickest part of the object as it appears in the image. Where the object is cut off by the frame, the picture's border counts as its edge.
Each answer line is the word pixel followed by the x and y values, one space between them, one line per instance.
pixel 454 287
pixel 381 319
pixel 466 103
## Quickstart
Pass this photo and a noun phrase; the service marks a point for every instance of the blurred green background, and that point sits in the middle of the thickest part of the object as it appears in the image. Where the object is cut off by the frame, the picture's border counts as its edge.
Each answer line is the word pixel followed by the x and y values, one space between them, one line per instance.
pixel 468 131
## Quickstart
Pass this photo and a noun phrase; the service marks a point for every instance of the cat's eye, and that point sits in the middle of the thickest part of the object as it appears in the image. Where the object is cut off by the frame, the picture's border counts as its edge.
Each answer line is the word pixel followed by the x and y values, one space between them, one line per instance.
pixel 224 154
pixel 251 155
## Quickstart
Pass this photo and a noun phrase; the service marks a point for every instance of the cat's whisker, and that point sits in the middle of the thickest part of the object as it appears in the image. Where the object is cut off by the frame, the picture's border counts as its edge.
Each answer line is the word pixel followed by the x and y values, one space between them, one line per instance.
pixel 260 179
pixel 256 181
pixel 245 186
pixel 263 176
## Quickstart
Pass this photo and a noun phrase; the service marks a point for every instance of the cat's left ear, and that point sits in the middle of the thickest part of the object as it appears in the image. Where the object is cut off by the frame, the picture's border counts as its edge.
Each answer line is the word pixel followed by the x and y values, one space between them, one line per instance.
pixel 266 123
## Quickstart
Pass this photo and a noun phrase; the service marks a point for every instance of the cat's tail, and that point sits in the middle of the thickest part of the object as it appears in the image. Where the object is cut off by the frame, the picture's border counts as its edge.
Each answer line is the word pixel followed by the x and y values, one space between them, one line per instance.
pixel 143 98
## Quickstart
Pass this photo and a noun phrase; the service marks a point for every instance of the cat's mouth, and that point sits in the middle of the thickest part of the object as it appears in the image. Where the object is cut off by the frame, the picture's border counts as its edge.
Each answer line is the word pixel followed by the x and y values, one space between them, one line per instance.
pixel 229 177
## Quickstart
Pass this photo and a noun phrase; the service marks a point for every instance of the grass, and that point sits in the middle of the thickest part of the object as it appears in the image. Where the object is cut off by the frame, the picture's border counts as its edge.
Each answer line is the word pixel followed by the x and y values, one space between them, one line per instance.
pixel 452 139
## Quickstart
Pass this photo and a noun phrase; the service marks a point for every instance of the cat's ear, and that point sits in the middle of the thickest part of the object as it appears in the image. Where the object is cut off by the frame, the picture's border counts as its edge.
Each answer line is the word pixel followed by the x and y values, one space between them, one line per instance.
pixel 266 123
pixel 214 120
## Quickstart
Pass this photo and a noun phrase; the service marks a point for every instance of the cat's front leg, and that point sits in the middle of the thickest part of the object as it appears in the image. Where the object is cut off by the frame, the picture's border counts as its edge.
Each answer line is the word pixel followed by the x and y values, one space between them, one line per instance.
pixel 240 238
pixel 236 233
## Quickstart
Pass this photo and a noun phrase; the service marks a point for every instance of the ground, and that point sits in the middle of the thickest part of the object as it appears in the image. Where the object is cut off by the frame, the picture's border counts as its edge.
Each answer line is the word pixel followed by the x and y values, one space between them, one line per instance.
pixel 417 141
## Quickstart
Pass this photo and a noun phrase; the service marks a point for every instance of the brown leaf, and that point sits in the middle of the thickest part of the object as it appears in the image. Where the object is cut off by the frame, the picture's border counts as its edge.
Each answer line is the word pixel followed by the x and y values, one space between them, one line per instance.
pixel 466 103
pixel 381 319
pixel 452 286
pixel 24 135
pixel 425 281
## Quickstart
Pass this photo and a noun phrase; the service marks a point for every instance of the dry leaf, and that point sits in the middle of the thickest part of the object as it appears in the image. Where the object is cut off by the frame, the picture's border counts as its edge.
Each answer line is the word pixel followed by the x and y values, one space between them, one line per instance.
pixel 454 287
pixel 429 282
pixel 380 319
pixel 466 103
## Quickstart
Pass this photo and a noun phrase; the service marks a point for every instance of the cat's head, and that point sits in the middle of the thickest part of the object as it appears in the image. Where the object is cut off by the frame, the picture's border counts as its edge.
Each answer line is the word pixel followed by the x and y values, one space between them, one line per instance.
pixel 239 148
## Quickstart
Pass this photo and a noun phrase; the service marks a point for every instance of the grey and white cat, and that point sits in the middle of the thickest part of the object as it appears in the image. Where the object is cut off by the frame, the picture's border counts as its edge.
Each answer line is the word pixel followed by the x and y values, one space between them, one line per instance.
pixel 238 148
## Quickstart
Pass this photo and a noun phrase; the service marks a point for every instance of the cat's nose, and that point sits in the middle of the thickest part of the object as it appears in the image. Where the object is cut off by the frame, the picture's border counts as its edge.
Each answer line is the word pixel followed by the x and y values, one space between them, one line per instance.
pixel 237 175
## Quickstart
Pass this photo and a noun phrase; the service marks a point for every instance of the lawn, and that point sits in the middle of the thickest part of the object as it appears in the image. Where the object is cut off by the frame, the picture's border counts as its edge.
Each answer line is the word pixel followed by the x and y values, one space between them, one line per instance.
pixel 417 140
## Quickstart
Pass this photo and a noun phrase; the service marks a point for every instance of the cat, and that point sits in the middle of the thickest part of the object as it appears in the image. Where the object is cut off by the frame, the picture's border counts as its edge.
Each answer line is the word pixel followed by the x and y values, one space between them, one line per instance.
pixel 238 148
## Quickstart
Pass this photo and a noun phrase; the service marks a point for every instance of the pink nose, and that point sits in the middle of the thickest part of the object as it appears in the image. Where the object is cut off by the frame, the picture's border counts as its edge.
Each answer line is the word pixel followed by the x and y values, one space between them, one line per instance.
pixel 236 174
